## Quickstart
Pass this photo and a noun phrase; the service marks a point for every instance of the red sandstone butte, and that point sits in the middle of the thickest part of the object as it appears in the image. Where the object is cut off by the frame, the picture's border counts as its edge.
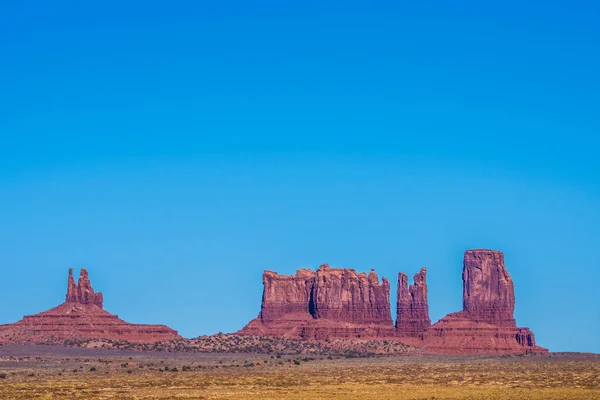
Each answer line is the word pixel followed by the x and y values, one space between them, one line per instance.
pixel 81 316
pixel 486 324
pixel 412 309
pixel 328 303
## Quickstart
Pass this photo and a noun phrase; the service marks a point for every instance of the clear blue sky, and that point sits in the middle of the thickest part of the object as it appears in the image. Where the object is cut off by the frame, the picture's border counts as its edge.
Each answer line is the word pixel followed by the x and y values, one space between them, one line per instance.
pixel 178 150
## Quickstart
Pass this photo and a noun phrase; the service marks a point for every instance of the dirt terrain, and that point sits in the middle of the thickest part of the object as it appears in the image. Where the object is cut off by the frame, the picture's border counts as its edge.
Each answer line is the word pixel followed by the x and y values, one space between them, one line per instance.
pixel 55 372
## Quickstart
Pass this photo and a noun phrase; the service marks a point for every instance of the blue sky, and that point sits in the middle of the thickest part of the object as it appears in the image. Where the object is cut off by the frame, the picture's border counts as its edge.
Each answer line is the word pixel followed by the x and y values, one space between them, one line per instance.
pixel 177 151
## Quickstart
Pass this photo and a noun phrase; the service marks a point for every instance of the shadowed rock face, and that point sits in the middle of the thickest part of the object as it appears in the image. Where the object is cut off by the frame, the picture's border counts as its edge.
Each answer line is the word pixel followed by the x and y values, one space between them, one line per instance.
pixel 328 303
pixel 72 294
pixel 412 308
pixel 81 316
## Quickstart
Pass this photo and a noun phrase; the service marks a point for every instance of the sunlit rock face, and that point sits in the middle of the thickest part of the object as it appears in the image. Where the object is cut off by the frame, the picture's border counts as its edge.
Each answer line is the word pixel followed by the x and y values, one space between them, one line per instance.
pixel 412 308
pixel 81 316
pixel 327 303
pixel 486 323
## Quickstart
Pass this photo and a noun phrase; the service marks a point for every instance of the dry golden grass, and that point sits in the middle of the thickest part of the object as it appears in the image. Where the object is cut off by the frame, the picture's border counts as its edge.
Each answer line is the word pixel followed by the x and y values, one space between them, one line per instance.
pixel 263 377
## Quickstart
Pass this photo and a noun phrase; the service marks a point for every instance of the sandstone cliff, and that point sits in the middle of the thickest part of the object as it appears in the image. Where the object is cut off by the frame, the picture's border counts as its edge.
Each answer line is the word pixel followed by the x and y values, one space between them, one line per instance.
pixel 328 303
pixel 345 295
pixel 82 292
pixel 486 324
pixel 488 290
pixel 412 308
pixel 344 304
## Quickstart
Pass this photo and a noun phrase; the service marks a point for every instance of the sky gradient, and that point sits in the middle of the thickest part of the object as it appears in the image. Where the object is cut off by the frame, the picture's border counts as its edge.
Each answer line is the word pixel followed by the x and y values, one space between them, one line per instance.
pixel 178 151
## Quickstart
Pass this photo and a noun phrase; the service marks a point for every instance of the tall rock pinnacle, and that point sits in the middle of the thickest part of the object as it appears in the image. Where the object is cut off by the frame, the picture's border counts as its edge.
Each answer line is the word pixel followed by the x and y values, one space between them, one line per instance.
pixel 82 292
pixel 486 323
pixel 326 303
pixel 411 306
pixel 345 295
pixel 72 296
pixel 488 290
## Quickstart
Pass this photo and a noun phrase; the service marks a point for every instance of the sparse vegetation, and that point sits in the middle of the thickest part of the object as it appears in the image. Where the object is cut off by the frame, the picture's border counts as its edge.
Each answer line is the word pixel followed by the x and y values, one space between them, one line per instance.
pixel 229 343
pixel 217 375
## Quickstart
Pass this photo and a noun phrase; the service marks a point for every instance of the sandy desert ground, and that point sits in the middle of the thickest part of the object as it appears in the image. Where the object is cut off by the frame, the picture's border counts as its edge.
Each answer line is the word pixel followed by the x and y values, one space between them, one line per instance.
pixel 49 372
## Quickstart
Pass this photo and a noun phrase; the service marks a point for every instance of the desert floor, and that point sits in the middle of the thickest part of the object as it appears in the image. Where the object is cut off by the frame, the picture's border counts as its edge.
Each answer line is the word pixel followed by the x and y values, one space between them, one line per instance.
pixel 47 372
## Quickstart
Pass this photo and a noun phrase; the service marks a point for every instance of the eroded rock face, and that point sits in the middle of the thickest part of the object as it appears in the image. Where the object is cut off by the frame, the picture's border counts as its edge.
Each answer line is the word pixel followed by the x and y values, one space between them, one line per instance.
pixel 345 295
pixel 488 290
pixel 328 303
pixel 412 308
pixel 486 324
pixel 85 291
pixel 72 296
pixel 286 294
pixel 81 316
pixel 82 292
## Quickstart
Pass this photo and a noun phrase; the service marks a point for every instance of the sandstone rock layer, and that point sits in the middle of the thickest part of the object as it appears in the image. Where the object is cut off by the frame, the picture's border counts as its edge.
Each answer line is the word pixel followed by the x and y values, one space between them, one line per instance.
pixel 81 316
pixel 328 303
pixel 486 324
pixel 412 308
pixel 343 304
pixel 488 290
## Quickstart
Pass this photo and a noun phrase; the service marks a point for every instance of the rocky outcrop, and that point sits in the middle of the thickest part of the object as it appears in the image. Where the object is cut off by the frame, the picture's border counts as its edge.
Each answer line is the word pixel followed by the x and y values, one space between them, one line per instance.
pixel 286 294
pixel 81 316
pixel 486 324
pixel 345 295
pixel 488 290
pixel 412 309
pixel 328 303
pixel 72 295
pixel 82 292
pixel 85 292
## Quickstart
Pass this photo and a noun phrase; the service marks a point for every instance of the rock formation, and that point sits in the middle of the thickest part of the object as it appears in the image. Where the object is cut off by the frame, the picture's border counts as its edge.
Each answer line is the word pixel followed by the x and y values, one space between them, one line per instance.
pixel 488 290
pixel 286 294
pixel 82 291
pixel 328 303
pixel 72 296
pixel 486 324
pixel 412 309
pixel 85 293
pixel 344 304
pixel 344 295
pixel 81 316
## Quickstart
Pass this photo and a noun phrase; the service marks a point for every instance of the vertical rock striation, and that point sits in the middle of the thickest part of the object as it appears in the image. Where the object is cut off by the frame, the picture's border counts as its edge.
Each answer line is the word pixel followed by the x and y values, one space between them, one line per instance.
pixel 345 295
pixel 82 292
pixel 412 309
pixel 328 303
pixel 488 290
